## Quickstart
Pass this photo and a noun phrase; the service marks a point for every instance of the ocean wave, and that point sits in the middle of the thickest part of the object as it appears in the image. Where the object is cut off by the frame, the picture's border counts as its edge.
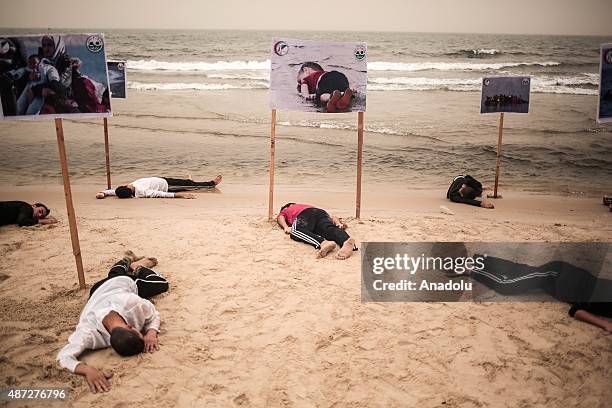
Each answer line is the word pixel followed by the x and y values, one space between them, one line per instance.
pixel 476 53
pixel 247 75
pixel 154 65
pixel 178 86
pixel 584 84
pixel 195 66
pixel 452 66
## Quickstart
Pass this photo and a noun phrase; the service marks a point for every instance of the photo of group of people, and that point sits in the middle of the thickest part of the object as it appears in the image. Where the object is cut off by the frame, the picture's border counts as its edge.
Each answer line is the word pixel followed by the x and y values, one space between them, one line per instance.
pixel 604 111
pixel 505 94
pixel 318 77
pixel 53 75
pixel 117 79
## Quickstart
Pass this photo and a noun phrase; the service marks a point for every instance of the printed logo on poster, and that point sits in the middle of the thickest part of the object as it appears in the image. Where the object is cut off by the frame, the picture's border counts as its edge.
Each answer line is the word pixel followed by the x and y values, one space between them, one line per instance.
pixel 360 52
pixel 608 57
pixel 525 82
pixel 95 43
pixel 281 48
pixel 120 66
pixel 486 82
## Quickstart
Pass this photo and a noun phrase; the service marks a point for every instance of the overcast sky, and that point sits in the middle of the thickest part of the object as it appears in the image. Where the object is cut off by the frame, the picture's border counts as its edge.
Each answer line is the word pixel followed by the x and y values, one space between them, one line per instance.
pixel 580 17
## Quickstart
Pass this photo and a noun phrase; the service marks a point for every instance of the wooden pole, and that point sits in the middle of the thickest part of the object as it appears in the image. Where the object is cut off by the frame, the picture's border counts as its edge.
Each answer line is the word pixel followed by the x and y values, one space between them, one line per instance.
pixel 106 153
pixel 499 145
pixel 272 152
pixel 74 234
pixel 359 161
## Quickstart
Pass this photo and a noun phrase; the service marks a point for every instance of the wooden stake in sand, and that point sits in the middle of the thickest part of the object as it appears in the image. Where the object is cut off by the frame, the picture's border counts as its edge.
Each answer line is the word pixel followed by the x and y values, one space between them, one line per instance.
pixel 272 152
pixel 106 153
pixel 499 145
pixel 74 233
pixel 360 116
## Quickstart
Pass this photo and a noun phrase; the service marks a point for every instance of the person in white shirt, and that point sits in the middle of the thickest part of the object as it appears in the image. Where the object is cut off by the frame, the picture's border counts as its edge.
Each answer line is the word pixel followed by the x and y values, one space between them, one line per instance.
pixel 117 315
pixel 157 187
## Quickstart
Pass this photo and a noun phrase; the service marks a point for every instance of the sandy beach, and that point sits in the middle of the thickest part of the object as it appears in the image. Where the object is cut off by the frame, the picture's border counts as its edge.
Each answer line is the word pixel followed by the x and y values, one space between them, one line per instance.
pixel 252 319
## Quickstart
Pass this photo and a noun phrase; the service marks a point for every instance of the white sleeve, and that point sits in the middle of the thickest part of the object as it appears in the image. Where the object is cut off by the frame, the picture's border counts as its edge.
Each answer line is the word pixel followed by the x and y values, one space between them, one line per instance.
pixel 157 194
pixel 108 193
pixel 152 317
pixel 77 343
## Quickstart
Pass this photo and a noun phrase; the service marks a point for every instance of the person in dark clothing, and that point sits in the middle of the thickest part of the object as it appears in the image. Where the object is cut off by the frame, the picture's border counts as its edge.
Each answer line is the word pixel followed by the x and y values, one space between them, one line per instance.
pixel 148 282
pixel 590 312
pixel 24 214
pixel 590 296
pixel 316 227
pixel 465 189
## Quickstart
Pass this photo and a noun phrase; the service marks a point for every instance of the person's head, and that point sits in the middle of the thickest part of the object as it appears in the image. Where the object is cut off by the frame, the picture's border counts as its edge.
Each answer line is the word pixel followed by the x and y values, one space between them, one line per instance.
pixel 33 61
pixel 48 46
pixel 124 192
pixel 40 211
pixel 126 341
pixel 468 192
pixel 308 68
pixel 286 205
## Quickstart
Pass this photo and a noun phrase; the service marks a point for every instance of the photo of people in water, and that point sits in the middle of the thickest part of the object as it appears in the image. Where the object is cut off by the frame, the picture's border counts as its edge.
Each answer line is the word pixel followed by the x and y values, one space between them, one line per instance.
pixel 117 79
pixel 604 112
pixel 318 77
pixel 505 94
pixel 53 75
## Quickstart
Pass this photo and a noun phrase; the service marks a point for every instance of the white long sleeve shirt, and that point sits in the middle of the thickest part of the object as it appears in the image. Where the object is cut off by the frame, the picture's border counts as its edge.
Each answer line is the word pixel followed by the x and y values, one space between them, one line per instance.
pixel 148 187
pixel 119 294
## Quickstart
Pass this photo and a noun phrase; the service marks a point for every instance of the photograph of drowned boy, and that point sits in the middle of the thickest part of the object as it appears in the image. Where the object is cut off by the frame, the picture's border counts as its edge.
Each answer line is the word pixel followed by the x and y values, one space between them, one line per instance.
pixel 328 77
pixel 330 90
pixel 53 74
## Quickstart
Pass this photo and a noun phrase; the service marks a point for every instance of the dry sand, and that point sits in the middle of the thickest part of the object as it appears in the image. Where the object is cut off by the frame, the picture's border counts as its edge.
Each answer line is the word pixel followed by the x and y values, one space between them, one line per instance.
pixel 252 319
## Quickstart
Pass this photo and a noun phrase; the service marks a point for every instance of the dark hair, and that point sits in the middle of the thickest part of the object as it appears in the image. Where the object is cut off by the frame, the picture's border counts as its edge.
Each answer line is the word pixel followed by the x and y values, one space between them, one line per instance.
pixel 43 206
pixel 126 342
pixel 124 192
pixel 469 193
pixel 285 206
pixel 312 65
pixel 33 56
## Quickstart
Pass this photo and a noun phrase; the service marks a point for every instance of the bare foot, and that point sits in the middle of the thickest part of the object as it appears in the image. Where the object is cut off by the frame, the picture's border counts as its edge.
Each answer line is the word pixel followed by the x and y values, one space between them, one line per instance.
pixel 218 180
pixel 345 101
pixel 326 248
pixel 347 249
pixel 132 256
pixel 331 104
pixel 146 262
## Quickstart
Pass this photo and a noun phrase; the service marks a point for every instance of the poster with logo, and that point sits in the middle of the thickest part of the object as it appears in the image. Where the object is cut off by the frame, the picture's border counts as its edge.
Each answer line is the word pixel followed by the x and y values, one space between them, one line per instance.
pixel 117 79
pixel 604 108
pixel 53 76
pixel 312 76
pixel 505 94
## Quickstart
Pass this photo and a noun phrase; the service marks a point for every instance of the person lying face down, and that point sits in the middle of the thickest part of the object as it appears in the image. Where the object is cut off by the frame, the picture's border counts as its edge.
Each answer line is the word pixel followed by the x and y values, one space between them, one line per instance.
pixel 24 214
pixel 116 315
pixel 157 187
pixel 316 227
pixel 465 189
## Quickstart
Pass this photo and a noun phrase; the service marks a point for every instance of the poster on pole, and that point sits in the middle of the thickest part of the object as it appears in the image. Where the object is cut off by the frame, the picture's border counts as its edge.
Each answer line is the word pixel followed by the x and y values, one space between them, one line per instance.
pixel 311 76
pixel 604 107
pixel 117 78
pixel 53 76
pixel 505 94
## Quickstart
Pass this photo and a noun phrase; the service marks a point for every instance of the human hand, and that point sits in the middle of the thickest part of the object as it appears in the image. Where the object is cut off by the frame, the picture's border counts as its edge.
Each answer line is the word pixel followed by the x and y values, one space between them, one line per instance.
pixel 47 220
pixel 287 230
pixel 184 195
pixel 97 380
pixel 100 195
pixel 486 204
pixel 151 341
